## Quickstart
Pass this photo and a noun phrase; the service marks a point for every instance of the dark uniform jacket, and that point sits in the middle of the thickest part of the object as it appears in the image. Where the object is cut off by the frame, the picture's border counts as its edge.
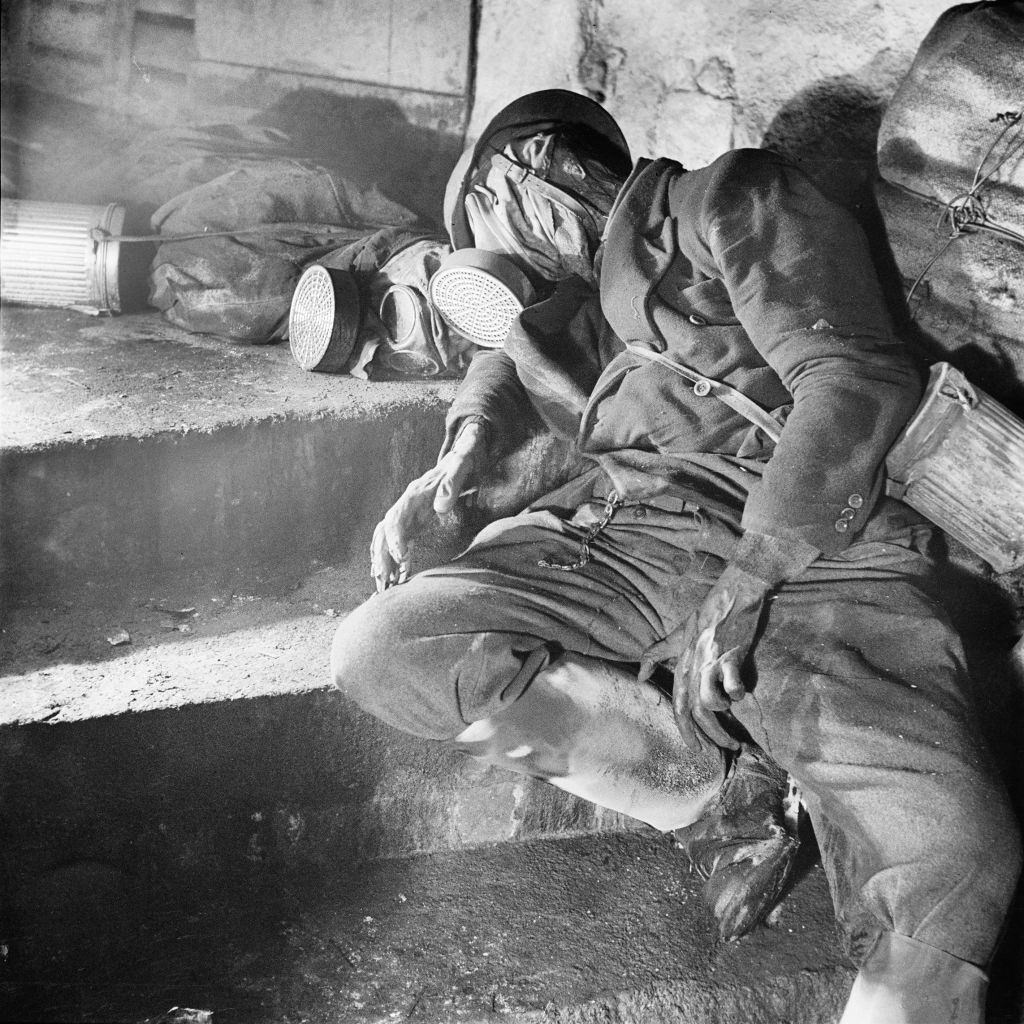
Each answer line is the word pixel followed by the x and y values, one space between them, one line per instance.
pixel 745 273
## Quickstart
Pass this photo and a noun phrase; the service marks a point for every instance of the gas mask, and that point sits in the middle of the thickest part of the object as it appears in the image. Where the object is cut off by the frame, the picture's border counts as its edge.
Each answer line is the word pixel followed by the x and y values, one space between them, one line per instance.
pixel 412 330
pixel 408 335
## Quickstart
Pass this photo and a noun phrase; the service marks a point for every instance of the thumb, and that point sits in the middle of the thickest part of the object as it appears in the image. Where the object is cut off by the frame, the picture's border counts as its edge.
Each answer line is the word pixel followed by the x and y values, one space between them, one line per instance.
pixel 393 534
pixel 450 486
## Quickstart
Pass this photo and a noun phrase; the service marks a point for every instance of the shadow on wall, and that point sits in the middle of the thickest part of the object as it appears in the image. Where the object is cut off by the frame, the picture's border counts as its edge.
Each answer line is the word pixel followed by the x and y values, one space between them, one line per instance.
pixel 830 130
pixel 369 141
pixel 71 152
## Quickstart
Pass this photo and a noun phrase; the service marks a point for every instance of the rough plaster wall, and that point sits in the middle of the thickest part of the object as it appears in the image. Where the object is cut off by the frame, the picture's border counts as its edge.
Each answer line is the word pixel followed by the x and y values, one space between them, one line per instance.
pixel 421 46
pixel 691 79
pixel 176 61
pixel 373 90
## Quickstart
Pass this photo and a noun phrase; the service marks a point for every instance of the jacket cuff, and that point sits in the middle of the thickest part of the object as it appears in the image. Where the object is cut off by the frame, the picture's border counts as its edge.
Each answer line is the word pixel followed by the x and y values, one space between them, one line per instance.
pixel 456 425
pixel 772 559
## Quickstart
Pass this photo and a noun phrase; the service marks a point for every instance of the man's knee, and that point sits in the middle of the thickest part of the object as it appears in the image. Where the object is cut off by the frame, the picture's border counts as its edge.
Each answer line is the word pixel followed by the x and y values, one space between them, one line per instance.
pixel 361 657
pixel 393 657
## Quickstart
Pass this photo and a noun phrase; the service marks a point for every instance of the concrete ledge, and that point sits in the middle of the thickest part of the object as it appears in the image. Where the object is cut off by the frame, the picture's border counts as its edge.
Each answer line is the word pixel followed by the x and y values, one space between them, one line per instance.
pixel 216 707
pixel 133 450
pixel 70 378
pixel 190 577
pixel 249 652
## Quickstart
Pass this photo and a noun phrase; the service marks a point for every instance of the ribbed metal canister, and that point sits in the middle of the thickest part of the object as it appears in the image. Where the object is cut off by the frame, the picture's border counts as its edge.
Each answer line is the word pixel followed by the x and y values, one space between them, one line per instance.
pixel 57 254
pixel 960 462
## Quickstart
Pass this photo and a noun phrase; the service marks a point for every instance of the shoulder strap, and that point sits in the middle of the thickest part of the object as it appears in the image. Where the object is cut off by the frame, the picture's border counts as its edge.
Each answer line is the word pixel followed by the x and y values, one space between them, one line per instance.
pixel 736 400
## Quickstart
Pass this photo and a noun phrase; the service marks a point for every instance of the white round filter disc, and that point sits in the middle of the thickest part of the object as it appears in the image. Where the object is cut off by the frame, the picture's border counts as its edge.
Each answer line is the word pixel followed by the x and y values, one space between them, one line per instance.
pixel 311 320
pixel 480 294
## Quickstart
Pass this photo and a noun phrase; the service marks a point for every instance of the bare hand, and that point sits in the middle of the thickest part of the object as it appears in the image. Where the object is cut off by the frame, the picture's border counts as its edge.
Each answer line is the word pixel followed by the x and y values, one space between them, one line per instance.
pixel 428 496
pixel 708 651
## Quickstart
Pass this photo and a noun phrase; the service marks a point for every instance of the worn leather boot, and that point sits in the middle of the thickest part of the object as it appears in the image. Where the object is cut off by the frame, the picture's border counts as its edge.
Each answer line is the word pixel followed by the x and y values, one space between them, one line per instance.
pixel 745 845
pixel 904 981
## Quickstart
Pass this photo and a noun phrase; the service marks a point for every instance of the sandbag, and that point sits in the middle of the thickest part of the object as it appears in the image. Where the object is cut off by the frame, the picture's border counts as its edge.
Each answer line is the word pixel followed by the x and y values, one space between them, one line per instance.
pixel 238 287
pixel 958 101
pixel 283 214
pixel 951 192
pixel 275 192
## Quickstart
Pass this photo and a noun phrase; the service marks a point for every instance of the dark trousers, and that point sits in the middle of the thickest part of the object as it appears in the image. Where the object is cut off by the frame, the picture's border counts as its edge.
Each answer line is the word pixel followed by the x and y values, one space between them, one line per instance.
pixel 859 690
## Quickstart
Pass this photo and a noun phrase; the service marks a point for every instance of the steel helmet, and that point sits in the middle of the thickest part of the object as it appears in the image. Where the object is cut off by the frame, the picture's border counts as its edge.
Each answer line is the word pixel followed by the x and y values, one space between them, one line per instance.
pixel 536 111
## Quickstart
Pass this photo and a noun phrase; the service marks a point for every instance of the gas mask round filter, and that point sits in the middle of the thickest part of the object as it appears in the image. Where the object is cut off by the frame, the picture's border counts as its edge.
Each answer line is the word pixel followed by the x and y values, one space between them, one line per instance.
pixel 480 294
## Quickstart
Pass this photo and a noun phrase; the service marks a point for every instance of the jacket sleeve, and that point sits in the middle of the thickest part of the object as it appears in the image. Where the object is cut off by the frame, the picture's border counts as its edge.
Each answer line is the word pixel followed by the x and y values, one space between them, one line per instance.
pixel 491 393
pixel 542 377
pixel 802 284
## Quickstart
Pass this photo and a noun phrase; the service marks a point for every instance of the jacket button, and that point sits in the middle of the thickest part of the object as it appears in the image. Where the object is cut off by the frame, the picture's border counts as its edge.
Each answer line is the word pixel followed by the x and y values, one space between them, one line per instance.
pixel 855 500
pixel 639 512
pixel 697 321
pixel 842 525
pixel 847 513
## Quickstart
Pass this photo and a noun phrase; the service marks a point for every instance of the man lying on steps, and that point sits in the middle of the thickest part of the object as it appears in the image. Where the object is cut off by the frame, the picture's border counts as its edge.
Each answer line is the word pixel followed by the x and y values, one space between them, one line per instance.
pixel 755 556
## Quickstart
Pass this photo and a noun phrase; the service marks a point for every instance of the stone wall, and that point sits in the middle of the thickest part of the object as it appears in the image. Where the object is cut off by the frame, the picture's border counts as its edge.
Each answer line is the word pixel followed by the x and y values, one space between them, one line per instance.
pixel 692 79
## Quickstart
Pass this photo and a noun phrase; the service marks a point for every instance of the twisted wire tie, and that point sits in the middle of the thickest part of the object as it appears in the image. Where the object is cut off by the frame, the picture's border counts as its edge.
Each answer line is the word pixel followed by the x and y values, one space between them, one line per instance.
pixel 967 210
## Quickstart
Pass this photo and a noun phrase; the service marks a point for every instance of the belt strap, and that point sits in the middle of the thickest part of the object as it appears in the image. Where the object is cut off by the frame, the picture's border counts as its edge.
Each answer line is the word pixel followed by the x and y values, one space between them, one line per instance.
pixel 702 385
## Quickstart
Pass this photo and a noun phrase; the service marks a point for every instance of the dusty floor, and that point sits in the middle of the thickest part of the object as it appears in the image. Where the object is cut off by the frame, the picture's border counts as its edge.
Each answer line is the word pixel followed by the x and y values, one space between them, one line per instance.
pixel 593 930
pixel 597 928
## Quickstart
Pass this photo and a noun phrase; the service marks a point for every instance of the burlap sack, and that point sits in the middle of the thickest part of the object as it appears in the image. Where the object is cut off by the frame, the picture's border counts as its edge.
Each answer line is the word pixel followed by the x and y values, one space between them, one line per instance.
pixel 958 100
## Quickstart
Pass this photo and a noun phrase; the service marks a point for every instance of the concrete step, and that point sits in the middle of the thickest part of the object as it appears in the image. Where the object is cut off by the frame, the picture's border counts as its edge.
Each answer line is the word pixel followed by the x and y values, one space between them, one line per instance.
pixel 597 929
pixel 169 648
pixel 183 523
pixel 234 687
pixel 132 450
pixel 176 566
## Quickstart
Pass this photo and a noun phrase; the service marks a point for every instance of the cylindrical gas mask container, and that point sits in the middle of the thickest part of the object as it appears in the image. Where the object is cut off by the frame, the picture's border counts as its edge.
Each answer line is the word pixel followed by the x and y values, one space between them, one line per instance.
pixel 960 462
pixel 59 254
